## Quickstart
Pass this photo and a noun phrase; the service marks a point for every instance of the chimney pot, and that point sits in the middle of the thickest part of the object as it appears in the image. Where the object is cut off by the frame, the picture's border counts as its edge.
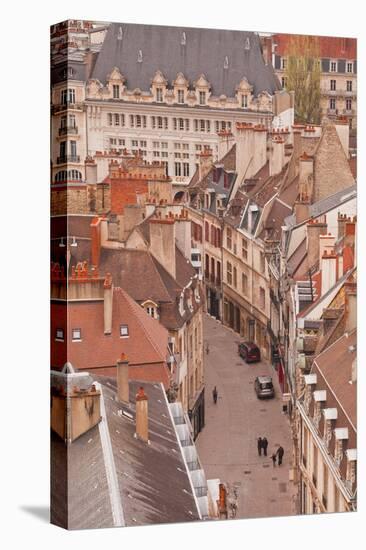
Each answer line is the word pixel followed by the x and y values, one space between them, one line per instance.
pixel 142 420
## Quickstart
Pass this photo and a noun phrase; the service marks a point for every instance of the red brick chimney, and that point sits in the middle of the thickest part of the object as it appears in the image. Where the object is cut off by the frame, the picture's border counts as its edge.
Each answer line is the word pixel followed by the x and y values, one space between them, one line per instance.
pixel 142 417
pixel 108 304
pixel 123 393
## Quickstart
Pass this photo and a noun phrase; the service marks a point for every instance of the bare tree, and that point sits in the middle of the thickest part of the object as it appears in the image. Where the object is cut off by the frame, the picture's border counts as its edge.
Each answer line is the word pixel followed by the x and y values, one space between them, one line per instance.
pixel 302 75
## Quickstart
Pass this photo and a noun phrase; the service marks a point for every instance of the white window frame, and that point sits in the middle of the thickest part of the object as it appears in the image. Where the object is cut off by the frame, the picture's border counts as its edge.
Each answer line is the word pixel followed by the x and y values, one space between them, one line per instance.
pixel 76 335
pixel 123 331
pixel 331 62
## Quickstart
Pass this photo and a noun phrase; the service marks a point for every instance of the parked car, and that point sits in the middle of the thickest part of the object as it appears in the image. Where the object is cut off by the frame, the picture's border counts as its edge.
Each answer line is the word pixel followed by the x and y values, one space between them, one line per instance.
pixel 264 386
pixel 249 352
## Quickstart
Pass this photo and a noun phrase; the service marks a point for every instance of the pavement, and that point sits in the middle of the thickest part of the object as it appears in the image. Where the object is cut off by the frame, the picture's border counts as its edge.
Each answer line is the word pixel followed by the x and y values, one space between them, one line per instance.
pixel 227 445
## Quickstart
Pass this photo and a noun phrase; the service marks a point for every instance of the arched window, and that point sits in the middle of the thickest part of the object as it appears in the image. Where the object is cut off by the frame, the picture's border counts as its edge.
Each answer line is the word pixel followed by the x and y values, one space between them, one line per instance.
pixel 74 175
pixel 61 176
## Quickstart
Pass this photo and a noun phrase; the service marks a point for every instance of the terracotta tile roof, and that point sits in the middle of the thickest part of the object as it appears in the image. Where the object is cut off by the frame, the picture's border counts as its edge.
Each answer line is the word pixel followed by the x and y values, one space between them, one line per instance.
pixel 146 345
pixel 330 46
pixel 335 364
pixel 275 220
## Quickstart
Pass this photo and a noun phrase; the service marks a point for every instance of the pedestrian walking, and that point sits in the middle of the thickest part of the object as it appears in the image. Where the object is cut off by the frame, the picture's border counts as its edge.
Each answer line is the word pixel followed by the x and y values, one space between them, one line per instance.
pixel 214 395
pixel 259 445
pixel 280 453
pixel 265 445
pixel 274 456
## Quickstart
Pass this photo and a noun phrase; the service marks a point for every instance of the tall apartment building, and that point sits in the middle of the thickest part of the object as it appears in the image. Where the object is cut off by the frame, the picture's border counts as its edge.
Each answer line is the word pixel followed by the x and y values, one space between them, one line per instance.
pixel 338 79
pixel 166 91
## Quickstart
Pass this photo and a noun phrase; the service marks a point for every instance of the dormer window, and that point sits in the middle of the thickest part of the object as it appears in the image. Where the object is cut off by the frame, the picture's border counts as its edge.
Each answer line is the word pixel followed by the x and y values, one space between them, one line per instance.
pixel 59 335
pixel 180 96
pixel 76 334
pixel 115 91
pixel 333 66
pixel 202 98
pixel 123 331
pixel 159 95
pixel 244 101
pixel 349 67
pixel 283 63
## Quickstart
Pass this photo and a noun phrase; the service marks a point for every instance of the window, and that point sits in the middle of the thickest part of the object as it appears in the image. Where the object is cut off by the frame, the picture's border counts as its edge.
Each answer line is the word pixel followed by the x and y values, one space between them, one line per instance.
pixel 153 122
pixel 212 269
pixel 325 485
pixel 262 262
pixel 181 123
pixel 164 145
pixel 244 101
pixel 217 126
pixel 262 298
pixel 138 121
pixel 333 85
pixel 333 66
pixel 283 82
pixel 207 266
pixel 235 277
pixel 132 121
pixel 178 168
pixel 187 124
pixel 349 85
pixel 218 272
pixel 228 238
pixel 244 283
pixel 144 121
pixel 207 232
pixel 283 63
pixel 123 331
pixel 202 98
pixel 67 96
pixel 60 334
pixel 185 169
pixel 110 119
pixel 349 67
pixel 348 104
pixel 202 125
pixel 116 120
pixel 134 143
pixel 115 91
pixel 332 104
pixel 150 310
pixel 159 95
pixel 73 148
pixel 76 333
pixel 244 249
pixel 160 122
pixel 112 141
pixel 315 465
pixel 180 96
pixel 229 273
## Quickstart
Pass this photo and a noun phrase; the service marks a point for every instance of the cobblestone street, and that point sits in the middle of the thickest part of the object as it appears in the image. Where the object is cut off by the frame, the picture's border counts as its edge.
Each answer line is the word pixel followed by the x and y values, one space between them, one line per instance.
pixel 227 446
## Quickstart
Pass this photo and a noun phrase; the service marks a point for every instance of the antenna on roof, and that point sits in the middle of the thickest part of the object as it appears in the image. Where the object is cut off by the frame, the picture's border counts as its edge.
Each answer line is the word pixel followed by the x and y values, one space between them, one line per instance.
pixel 183 40
pixel 139 57
pixel 247 44
pixel 120 34
pixel 226 62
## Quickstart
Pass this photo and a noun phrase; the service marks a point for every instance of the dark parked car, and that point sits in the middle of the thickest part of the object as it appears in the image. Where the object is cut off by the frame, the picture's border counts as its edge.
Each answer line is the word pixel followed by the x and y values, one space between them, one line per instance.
pixel 264 386
pixel 249 352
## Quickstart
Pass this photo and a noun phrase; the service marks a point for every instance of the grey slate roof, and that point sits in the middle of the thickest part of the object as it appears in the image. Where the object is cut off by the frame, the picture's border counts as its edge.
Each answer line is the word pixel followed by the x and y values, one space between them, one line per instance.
pixel 153 483
pixel 203 53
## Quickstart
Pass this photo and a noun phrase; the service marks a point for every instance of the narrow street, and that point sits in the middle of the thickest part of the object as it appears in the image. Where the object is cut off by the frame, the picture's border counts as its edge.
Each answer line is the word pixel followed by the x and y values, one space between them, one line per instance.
pixel 227 446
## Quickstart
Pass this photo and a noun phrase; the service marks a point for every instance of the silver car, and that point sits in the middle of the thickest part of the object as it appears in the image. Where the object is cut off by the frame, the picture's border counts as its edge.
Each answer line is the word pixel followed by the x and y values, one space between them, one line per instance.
pixel 264 386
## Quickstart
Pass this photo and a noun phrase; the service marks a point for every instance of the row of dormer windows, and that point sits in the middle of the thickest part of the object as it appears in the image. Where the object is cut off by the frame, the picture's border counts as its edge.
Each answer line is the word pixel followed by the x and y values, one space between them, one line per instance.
pixel 164 123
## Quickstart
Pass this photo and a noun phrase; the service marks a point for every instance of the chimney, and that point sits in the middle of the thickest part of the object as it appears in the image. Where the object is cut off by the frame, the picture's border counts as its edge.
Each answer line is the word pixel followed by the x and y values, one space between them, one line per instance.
pixel 342 218
pixel 183 234
pixel 297 129
pixel 313 231
pixel 301 209
pixel 108 304
pixel 342 128
pixel 95 228
pixel 277 155
pixel 354 371
pixel 142 418
pixel 90 170
pixel 205 163
pixel 162 242
pixel 326 244
pixel 123 393
pixel 328 271
pixel 306 173
pixel 244 150
pixel 226 141
pixel 350 305
pixel 260 147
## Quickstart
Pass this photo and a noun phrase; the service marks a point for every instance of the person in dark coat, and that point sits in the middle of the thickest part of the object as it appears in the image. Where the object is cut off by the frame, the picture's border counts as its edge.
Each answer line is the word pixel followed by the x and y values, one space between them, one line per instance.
pixel 280 453
pixel 265 445
pixel 274 456
pixel 259 445
pixel 214 395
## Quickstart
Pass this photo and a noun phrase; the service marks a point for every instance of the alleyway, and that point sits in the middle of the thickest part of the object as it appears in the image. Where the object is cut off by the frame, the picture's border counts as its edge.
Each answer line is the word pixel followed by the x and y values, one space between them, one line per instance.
pixel 227 446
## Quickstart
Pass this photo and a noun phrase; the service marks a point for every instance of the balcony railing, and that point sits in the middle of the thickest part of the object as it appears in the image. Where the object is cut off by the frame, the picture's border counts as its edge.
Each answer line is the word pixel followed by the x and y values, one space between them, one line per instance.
pixel 68 158
pixel 194 465
pixel 64 130
pixel 66 106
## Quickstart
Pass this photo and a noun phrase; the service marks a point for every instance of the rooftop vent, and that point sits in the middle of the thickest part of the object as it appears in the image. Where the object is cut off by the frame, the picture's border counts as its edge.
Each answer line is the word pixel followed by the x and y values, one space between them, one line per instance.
pixel 226 62
pixel 183 39
pixel 139 57
pixel 120 34
pixel 247 44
